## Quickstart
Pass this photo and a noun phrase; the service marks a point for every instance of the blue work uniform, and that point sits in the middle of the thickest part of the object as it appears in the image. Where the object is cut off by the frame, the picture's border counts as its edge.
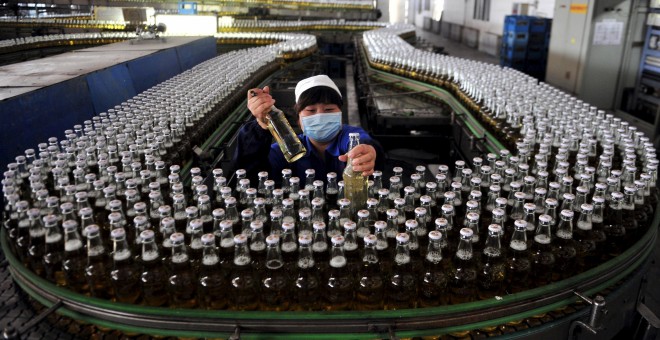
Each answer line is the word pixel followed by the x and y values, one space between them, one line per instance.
pixel 255 152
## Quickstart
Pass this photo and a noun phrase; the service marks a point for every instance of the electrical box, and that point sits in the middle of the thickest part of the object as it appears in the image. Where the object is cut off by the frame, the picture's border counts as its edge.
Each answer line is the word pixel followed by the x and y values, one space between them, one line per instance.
pixel 187 7
pixel 587 48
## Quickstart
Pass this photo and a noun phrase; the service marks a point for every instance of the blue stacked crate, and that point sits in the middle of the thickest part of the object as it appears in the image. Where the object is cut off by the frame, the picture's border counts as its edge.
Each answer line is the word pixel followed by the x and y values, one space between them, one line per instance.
pixel 525 44
pixel 537 48
pixel 514 42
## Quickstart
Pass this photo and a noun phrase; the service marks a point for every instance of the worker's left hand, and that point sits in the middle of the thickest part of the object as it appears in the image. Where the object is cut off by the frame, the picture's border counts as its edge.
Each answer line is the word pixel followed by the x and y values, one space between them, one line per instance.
pixel 364 158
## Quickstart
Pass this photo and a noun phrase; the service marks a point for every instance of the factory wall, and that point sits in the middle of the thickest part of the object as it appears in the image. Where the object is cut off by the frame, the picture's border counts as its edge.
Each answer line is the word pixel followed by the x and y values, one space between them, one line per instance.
pixel 459 22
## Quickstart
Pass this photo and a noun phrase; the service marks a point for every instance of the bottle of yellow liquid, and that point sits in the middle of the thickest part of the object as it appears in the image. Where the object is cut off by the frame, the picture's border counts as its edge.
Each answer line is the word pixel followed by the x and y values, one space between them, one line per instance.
pixel 284 135
pixel 355 185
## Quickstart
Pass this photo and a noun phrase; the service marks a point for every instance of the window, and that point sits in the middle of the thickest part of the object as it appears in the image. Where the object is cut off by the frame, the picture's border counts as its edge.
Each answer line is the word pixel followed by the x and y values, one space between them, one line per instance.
pixel 481 10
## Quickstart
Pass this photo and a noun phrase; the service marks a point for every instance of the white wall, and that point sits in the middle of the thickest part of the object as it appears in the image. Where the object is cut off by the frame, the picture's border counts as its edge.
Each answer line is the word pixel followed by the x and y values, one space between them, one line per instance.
pixel 460 12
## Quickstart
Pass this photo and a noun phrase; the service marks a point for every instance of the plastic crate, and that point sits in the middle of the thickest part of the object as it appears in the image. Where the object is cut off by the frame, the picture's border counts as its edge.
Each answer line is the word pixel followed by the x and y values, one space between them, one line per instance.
pixel 540 25
pixel 515 38
pixel 539 39
pixel 537 54
pixel 513 52
pixel 516 23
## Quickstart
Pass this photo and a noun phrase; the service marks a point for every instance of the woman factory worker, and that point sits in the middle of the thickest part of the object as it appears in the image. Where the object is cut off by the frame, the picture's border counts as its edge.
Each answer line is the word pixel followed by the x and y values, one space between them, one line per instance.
pixel 318 106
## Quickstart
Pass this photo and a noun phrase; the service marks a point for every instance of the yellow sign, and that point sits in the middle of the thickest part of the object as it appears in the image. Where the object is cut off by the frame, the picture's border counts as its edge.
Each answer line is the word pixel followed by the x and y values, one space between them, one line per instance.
pixel 579 8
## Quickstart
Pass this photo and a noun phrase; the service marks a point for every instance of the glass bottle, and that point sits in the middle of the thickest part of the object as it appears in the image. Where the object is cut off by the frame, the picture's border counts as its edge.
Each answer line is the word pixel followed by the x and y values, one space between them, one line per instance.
pixel 628 213
pixel 355 184
pixel 275 282
pixel 491 277
pixel 257 245
pixel 284 135
pixel 463 275
pixel 320 246
pixel 362 224
pixel 543 259
pixel 36 242
pixel 401 283
pixel 289 246
pixel 338 287
pixel 433 282
pixel 261 186
pixel 334 226
pixel 286 176
pixel 304 220
pixel 153 278
pixel 181 284
pixel 212 283
pixel 383 203
pixel 243 280
pixel 318 214
pixel 331 190
pixel 125 274
pixel 564 246
pixel 53 251
pixel 97 268
pixel 369 290
pixel 74 261
pixel 306 284
pixel 585 240
pixel 518 263
pixel 196 246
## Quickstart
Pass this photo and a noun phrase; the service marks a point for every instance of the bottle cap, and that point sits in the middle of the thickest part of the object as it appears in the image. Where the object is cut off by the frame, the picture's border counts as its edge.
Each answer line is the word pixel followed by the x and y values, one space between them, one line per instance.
pixel 226 224
pixel 218 213
pixel 272 239
pixel 495 228
pixel 586 207
pixel 415 177
pixel 441 223
pixel 567 213
pixel 395 179
pixel 380 225
pixel 294 180
pixel 520 224
pixel 409 190
pixel 91 230
pixel 420 168
pixel 411 224
pixel 286 171
pixel 466 232
pixel 529 207
pixel 399 201
pixel 239 239
pixel 350 225
pixel 318 225
pixel 370 239
pixel 540 191
pixel 230 200
pixel 551 202
pixel 392 213
pixel 397 169
pixel 318 202
pixel 383 192
pixel 117 233
pixel 440 178
pixel 140 220
pixel 501 201
pixel 402 237
pixel 304 213
pixel 554 185
pixel 472 204
pixel 256 225
pixel 420 211
pixel 247 213
pixel 435 235
pixel 250 191
pixel 288 202
pixel 208 239
pixel 545 218
pixel 310 172
pixel 331 175
pixel 304 239
pixel 196 224
pixel 114 217
pixel 334 213
pixel 447 208
pixel 275 213
pixel 472 217
pixel 288 226
pixel 431 185
pixel 147 235
pixel 568 196
pixel 192 210
pixel 337 240
pixel 269 183
pixel 456 186
pixel 372 202
pixel 303 192
pixel 617 196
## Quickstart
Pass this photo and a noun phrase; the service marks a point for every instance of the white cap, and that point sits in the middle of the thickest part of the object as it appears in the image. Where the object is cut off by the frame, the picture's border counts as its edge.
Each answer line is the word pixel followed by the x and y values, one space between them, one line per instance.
pixel 320 80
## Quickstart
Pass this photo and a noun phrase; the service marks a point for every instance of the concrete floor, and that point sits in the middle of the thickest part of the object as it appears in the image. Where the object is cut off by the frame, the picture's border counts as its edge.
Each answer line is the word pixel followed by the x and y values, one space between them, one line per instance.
pixel 454 48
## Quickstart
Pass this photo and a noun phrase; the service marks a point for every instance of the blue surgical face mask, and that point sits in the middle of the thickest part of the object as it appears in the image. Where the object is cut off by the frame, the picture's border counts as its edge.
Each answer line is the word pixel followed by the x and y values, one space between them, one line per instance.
pixel 322 127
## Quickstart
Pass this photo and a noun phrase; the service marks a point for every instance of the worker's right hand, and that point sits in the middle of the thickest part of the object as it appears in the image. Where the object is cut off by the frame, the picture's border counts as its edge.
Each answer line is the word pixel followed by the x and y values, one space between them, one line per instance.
pixel 259 104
